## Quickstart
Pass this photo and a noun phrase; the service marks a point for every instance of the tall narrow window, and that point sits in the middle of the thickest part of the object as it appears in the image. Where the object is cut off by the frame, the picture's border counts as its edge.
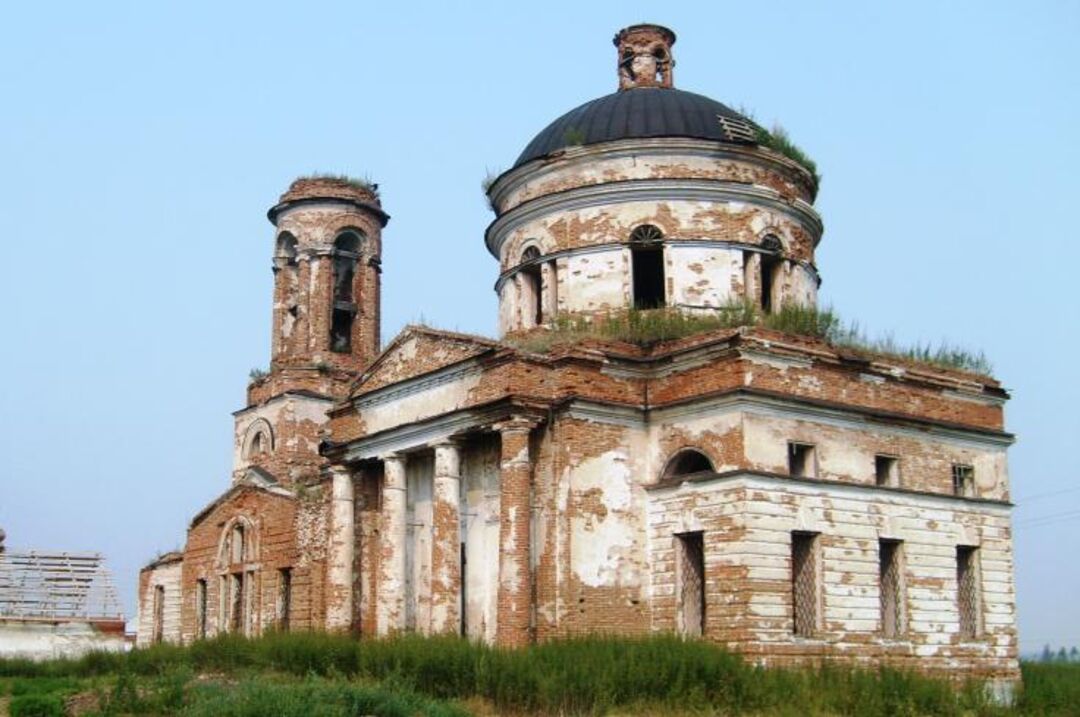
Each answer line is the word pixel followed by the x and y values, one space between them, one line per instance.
pixel 224 600
pixel 770 263
pixel 159 613
pixel 647 260
pixel 463 605
pixel 343 309
pixel 284 598
pixel 200 609
pixel 236 546
pixel 963 480
pixel 804 583
pixel 236 614
pixel 285 267
pixel 802 461
pixel 967 591
pixel 691 583
pixel 890 583
pixel 887 470
pixel 531 284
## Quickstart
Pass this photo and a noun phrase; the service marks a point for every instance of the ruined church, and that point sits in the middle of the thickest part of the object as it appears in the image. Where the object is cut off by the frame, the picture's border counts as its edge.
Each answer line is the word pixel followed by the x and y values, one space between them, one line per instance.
pixel 771 492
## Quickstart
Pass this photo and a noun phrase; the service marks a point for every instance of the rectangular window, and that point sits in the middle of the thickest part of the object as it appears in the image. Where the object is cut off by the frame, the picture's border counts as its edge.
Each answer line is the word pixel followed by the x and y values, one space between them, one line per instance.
pixel 159 613
pixel 648 273
pixel 963 480
pixel 236 611
pixel 967 591
pixel 200 609
pixel 804 583
pixel 284 598
pixel 690 576
pixel 890 583
pixel 802 462
pixel 224 585
pixel 887 470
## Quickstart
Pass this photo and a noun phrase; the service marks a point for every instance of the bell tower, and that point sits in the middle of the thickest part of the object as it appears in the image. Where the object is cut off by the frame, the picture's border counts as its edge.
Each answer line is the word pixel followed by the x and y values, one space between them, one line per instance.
pixel 327 248
pixel 327 254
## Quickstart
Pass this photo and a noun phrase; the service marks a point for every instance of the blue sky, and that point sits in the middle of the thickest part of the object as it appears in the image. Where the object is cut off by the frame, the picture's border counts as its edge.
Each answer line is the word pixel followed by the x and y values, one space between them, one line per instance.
pixel 141 144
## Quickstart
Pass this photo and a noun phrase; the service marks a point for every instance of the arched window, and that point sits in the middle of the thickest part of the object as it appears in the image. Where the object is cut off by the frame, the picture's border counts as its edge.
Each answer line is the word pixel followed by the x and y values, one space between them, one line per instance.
pixel 236 544
pixel 532 307
pixel 258 439
pixel 687 462
pixel 647 261
pixel 346 255
pixel 287 279
pixel 286 247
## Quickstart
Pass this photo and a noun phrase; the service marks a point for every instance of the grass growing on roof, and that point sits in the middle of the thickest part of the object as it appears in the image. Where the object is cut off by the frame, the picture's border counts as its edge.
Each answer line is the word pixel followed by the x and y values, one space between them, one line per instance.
pixel 650 326
pixel 365 183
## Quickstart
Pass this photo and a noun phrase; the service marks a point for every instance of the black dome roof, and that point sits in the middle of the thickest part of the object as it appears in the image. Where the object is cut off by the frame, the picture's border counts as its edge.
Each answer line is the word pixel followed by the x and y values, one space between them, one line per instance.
pixel 639 113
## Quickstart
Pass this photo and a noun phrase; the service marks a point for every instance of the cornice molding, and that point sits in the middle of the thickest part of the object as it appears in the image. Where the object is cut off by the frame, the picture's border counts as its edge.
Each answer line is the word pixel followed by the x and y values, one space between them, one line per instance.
pixel 646 190
pixel 775 483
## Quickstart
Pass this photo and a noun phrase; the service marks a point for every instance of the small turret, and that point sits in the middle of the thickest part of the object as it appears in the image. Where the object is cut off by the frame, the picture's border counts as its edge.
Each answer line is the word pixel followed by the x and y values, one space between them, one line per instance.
pixel 645 56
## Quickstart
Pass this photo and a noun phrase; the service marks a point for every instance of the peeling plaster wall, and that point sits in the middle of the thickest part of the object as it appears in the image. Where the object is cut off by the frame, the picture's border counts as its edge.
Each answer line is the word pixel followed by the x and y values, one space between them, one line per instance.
pixel 605 577
pixel 703 277
pixel 296 423
pixel 425 402
pixel 656 159
pixel 594 271
pixel 847 454
pixel 596 281
pixel 569 227
pixel 748 524
pixel 52 639
pixel 166 576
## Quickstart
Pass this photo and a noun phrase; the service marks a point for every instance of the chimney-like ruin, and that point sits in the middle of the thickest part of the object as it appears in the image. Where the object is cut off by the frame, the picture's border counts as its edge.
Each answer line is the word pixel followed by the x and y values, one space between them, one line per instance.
pixel 645 56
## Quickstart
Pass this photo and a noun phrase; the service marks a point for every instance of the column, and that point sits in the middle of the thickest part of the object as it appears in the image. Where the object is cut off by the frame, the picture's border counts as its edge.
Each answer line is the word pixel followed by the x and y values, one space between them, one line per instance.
pixel 446 541
pixel 514 610
pixel 390 610
pixel 340 556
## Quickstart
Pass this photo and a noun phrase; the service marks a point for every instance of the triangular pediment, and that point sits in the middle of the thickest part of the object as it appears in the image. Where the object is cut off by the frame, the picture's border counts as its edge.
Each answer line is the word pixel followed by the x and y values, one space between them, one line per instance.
pixel 420 350
pixel 254 479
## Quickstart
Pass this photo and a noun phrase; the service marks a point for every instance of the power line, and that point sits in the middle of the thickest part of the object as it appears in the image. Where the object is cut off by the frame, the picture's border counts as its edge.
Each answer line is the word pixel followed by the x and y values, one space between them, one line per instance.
pixel 1048 494
pixel 1049 520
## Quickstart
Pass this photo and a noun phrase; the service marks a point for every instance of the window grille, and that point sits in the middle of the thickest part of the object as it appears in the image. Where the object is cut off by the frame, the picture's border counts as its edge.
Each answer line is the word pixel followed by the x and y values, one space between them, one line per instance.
pixel 284 598
pixel 646 233
pixel 804 583
pixel 692 583
pixel 159 613
pixel 200 609
pixel 967 584
pixel 963 480
pixel 890 586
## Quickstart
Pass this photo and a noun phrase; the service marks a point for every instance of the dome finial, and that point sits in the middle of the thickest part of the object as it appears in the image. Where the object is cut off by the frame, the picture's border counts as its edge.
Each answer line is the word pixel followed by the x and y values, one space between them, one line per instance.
pixel 645 58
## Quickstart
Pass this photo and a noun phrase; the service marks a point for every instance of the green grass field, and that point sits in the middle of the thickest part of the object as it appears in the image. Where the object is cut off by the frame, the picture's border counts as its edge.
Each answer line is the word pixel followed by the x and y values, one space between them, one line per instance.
pixel 315 674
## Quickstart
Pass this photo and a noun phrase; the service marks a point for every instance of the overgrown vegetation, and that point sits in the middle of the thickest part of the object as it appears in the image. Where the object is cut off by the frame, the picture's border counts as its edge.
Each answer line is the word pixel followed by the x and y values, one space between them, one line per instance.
pixel 319 674
pixel 257 374
pixel 365 183
pixel 486 183
pixel 778 140
pixel 645 327
pixel 573 137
